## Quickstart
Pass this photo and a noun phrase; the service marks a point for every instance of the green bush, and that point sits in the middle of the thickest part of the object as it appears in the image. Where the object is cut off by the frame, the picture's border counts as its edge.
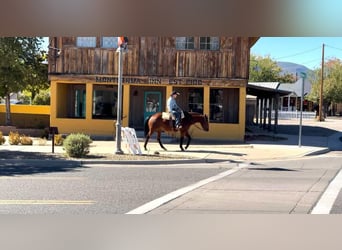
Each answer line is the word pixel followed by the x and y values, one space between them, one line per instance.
pixel 77 145
pixel 42 98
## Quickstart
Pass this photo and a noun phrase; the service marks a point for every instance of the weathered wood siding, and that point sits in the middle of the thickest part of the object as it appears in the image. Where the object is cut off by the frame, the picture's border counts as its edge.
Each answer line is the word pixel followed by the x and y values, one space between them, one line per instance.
pixel 153 56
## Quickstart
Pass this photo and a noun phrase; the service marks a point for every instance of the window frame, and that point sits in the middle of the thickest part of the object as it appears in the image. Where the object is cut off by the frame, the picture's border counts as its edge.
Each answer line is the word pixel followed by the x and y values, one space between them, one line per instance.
pixel 114 42
pixel 210 43
pixel 81 41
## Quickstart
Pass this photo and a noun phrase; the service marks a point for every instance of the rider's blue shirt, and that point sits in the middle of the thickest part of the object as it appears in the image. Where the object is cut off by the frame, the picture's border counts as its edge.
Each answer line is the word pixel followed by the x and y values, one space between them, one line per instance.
pixel 172 104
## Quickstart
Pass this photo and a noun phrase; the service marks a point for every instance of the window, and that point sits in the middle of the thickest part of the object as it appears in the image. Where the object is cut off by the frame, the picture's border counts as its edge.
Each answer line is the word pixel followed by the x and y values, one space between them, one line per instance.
pixel 209 43
pixel 109 42
pixel 224 105
pixel 86 42
pixel 71 100
pixel 104 102
pixel 185 43
pixel 202 43
pixel 195 98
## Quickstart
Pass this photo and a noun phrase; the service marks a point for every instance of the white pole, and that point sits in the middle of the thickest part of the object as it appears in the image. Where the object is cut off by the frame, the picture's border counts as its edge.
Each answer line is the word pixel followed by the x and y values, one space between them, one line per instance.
pixel 119 105
pixel 303 75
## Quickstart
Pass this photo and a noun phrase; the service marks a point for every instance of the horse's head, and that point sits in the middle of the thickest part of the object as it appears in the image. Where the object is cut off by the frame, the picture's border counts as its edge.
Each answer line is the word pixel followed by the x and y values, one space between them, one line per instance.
pixel 205 123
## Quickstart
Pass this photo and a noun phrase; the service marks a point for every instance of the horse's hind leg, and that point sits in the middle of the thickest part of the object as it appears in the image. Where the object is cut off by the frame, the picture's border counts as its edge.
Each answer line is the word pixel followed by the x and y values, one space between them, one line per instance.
pixel 160 143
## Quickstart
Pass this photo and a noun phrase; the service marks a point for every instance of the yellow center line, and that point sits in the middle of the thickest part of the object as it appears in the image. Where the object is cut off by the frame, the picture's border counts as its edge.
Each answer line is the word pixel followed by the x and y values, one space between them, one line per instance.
pixel 40 178
pixel 46 202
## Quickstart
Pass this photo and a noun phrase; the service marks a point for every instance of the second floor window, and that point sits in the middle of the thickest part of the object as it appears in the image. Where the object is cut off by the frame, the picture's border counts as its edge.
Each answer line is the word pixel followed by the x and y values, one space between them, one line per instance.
pixel 109 42
pixel 86 42
pixel 185 43
pixel 209 43
pixel 200 43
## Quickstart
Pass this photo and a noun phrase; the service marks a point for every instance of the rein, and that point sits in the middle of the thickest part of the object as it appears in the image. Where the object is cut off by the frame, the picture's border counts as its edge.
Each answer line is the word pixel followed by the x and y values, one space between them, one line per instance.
pixel 200 128
pixel 197 126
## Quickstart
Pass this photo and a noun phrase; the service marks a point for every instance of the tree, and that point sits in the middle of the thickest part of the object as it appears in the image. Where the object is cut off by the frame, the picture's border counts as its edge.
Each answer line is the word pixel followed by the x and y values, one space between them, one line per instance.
pixel 332 84
pixel 36 78
pixel 18 57
pixel 264 69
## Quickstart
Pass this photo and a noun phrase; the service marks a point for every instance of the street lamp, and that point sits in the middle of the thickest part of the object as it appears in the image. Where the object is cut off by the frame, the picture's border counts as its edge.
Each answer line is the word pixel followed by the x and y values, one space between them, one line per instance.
pixel 122 47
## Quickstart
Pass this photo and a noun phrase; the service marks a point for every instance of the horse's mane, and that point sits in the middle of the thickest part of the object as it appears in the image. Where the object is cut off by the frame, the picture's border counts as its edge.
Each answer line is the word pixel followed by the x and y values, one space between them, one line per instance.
pixel 188 115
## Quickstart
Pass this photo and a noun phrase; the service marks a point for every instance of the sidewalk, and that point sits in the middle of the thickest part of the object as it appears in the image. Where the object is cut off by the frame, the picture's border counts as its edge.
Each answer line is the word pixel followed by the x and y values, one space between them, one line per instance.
pixel 260 189
pixel 317 138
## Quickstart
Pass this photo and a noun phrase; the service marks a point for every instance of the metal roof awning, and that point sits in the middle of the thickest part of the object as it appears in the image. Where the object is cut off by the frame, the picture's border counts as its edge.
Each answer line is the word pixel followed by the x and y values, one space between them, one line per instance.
pixel 265 90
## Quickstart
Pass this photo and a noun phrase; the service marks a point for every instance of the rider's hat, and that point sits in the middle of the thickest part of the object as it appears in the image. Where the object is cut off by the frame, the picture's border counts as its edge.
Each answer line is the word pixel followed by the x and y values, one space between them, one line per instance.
pixel 175 93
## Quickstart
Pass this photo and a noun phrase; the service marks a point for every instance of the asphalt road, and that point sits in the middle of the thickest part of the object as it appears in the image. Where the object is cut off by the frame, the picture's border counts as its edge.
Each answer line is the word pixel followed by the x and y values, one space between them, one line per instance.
pixel 70 189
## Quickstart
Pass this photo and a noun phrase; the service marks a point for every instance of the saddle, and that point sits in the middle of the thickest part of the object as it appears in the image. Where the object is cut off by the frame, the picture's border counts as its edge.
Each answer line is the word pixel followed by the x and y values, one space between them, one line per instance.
pixel 169 116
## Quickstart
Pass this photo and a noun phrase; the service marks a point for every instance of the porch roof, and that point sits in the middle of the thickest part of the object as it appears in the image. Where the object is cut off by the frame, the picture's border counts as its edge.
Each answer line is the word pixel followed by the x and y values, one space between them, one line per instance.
pixel 265 89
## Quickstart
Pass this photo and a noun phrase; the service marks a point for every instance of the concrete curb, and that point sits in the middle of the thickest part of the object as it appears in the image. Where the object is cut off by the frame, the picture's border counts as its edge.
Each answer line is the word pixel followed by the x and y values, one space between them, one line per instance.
pixel 318 152
pixel 85 162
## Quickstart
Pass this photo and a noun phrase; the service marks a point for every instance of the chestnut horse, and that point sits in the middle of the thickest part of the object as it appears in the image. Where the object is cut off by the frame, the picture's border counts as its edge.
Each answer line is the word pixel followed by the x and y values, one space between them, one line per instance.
pixel 155 123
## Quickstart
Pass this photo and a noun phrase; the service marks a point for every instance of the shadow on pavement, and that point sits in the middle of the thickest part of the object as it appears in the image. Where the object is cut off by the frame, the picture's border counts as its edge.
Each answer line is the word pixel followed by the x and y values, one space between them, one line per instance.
pixel 272 169
pixel 214 152
pixel 306 130
pixel 14 163
pixel 18 155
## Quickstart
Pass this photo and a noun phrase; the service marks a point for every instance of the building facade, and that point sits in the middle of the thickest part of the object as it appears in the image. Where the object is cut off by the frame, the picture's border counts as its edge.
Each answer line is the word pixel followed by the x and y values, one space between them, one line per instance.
pixel 211 73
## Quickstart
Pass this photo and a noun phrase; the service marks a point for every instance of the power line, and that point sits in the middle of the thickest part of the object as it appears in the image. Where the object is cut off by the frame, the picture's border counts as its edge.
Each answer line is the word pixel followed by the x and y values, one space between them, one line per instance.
pixel 317 60
pixel 333 47
pixel 297 54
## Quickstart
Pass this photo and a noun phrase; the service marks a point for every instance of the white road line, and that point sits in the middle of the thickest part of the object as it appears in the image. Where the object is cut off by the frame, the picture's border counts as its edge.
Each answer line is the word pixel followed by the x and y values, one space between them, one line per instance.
pixel 175 194
pixel 328 198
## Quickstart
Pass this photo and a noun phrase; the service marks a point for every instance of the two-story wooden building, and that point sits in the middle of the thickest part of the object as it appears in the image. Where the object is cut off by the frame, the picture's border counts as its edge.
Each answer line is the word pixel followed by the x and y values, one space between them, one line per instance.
pixel 211 73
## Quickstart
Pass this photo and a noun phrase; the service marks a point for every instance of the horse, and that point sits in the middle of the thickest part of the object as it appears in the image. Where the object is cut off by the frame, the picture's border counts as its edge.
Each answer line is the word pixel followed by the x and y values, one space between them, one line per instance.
pixel 155 123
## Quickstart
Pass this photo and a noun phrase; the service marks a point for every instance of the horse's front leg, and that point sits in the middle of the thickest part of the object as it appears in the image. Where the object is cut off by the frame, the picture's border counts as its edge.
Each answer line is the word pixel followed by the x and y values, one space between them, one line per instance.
pixel 160 143
pixel 146 141
pixel 189 140
pixel 181 142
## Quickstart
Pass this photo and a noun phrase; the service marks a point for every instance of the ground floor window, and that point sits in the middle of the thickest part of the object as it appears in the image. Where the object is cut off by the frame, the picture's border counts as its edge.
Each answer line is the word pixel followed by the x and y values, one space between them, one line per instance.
pixel 195 98
pixel 224 105
pixel 71 100
pixel 190 99
pixel 104 102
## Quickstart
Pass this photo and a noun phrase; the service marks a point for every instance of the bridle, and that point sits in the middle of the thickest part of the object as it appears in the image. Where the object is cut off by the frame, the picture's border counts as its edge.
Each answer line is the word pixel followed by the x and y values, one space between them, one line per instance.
pixel 201 128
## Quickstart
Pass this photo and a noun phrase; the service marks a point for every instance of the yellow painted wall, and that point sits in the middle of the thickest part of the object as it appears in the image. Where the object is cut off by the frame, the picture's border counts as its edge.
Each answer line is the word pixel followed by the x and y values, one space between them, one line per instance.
pixel 222 131
pixel 88 125
pixel 219 131
pixel 27 116
pixel 27 109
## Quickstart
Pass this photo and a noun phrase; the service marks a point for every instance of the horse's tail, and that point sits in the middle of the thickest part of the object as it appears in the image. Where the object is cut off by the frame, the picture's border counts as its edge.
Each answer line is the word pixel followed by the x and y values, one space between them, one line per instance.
pixel 146 128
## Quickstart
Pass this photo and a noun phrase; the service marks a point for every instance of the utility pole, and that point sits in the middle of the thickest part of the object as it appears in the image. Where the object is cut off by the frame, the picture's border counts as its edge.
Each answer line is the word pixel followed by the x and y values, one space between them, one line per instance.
pixel 320 111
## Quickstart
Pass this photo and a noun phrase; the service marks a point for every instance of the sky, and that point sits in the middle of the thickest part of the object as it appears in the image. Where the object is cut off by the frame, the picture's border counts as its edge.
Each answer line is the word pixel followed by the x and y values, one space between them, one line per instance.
pixel 306 51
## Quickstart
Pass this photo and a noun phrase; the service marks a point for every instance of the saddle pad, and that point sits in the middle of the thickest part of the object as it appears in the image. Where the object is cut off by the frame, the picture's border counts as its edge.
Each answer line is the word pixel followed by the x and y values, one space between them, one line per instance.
pixel 167 116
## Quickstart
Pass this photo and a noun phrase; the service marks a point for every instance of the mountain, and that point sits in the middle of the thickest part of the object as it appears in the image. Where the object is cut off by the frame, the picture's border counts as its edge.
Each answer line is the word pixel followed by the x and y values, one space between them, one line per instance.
pixel 293 68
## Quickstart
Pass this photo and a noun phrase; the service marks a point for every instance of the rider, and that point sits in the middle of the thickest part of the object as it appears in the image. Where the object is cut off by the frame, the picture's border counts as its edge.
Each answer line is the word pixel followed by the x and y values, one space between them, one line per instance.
pixel 173 108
